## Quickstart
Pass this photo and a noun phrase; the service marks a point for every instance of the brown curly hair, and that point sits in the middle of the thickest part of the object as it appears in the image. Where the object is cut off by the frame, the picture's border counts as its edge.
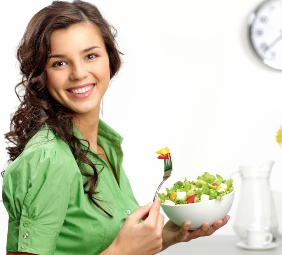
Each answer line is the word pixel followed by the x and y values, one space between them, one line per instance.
pixel 37 106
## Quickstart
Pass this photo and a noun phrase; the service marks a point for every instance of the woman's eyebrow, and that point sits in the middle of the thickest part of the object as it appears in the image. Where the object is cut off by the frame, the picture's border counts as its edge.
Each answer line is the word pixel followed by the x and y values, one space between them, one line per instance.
pixel 91 48
pixel 62 55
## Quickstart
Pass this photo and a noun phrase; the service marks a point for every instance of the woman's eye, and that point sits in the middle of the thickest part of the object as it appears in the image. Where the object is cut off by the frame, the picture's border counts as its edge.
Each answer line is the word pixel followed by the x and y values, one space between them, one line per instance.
pixel 91 56
pixel 59 63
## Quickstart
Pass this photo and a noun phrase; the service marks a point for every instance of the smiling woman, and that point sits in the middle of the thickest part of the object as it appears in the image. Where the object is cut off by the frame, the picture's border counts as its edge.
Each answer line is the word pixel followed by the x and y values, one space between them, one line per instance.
pixel 78 70
pixel 65 189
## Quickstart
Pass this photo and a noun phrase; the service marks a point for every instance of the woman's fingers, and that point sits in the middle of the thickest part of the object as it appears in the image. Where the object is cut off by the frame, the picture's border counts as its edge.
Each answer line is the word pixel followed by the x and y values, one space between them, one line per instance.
pixel 217 225
pixel 150 213
pixel 205 230
pixel 145 237
pixel 154 212
pixel 140 214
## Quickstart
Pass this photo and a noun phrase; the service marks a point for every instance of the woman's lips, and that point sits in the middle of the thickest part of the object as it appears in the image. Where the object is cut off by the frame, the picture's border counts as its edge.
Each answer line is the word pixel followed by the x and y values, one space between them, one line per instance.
pixel 82 91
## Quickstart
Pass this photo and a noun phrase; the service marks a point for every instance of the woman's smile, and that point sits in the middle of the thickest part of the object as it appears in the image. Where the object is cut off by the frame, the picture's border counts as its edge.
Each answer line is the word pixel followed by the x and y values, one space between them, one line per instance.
pixel 81 91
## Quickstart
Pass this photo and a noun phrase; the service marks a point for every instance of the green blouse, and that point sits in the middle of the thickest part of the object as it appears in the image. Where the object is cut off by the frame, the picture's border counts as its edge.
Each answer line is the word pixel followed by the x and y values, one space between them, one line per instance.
pixel 44 197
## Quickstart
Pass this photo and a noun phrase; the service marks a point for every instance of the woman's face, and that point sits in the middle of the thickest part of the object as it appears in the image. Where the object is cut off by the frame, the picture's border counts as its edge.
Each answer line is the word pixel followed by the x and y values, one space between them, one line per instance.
pixel 78 69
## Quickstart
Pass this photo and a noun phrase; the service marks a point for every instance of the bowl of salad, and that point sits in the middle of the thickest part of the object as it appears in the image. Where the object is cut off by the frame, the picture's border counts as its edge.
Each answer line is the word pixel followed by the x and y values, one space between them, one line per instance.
pixel 206 199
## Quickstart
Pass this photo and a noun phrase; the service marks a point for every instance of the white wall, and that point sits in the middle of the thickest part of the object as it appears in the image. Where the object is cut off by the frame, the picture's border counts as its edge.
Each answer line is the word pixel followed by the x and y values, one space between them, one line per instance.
pixel 190 81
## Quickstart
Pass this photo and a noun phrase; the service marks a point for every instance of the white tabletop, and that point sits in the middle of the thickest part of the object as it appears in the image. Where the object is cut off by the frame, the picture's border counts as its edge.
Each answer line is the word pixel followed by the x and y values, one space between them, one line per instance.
pixel 216 245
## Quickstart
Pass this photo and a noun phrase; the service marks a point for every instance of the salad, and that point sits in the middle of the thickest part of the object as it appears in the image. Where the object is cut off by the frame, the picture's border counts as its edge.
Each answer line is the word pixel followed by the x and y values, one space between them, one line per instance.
pixel 205 187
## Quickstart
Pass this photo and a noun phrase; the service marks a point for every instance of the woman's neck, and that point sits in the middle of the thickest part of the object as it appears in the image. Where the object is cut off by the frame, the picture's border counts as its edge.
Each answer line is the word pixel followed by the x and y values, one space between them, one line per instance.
pixel 88 129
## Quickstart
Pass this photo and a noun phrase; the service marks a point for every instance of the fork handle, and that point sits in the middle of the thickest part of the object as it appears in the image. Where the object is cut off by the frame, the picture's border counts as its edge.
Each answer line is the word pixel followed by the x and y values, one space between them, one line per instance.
pixel 157 191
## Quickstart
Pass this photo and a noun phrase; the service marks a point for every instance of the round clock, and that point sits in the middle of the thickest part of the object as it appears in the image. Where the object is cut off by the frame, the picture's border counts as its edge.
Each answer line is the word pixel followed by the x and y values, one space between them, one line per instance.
pixel 265 32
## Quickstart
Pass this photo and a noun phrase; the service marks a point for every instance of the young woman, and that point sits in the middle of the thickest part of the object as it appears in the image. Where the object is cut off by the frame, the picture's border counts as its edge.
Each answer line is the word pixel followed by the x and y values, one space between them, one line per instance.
pixel 65 189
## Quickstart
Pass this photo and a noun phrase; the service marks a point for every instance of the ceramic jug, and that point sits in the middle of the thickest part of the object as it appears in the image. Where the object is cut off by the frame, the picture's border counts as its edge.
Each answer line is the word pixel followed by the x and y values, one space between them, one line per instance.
pixel 255 201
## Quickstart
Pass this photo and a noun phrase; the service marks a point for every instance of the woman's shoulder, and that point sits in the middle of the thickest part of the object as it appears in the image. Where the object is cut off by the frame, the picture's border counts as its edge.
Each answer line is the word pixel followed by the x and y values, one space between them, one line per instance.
pixel 45 138
pixel 44 148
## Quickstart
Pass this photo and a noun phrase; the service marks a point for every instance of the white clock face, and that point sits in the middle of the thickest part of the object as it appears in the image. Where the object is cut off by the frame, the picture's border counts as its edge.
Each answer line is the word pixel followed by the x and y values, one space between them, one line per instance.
pixel 265 32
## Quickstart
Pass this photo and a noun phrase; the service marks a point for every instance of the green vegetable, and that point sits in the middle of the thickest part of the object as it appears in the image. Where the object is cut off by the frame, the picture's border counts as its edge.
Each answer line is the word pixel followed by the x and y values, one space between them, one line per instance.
pixel 212 185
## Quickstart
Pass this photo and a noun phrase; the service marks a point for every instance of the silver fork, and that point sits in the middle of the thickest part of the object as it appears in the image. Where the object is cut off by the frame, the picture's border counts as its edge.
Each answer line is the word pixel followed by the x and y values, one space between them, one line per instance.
pixel 167 173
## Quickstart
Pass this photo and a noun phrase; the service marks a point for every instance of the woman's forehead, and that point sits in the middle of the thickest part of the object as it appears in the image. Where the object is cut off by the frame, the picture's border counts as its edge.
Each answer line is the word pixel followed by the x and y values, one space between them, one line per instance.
pixel 78 36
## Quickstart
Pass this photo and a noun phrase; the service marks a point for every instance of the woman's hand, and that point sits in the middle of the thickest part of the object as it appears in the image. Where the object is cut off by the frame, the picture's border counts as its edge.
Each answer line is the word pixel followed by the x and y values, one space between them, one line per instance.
pixel 173 234
pixel 140 238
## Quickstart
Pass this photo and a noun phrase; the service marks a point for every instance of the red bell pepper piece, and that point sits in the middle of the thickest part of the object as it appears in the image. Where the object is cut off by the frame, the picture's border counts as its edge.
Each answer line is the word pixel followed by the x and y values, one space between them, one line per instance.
pixel 163 156
pixel 190 199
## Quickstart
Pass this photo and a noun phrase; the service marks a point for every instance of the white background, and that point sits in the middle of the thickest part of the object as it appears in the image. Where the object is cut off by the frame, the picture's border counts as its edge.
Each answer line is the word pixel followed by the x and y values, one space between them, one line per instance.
pixel 189 81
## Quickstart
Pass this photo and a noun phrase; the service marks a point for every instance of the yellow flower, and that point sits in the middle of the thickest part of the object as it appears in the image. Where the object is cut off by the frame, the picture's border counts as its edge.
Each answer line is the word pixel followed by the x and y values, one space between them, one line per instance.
pixel 279 136
pixel 163 151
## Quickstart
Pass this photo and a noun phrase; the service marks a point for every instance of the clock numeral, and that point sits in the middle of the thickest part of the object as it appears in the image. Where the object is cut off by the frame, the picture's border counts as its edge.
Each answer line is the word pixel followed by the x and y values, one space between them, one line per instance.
pixel 264 19
pixel 264 47
pixel 258 32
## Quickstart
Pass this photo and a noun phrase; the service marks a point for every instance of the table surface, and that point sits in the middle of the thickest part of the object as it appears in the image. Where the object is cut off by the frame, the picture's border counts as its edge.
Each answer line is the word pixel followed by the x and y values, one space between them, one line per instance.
pixel 216 245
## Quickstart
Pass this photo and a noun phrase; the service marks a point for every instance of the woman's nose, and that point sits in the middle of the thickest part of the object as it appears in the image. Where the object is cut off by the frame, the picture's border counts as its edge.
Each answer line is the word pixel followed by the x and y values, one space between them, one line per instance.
pixel 78 72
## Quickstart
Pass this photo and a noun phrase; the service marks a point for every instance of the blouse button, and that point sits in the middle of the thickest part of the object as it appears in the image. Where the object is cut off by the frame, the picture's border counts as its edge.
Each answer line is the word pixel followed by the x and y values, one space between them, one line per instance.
pixel 127 212
pixel 25 235
pixel 24 246
pixel 26 224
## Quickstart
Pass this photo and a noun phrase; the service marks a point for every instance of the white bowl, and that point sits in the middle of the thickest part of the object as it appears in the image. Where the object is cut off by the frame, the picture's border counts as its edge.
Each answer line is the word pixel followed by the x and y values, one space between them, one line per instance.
pixel 199 213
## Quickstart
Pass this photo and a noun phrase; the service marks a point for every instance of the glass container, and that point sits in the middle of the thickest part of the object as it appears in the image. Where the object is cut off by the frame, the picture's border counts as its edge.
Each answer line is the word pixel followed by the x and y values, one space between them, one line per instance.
pixel 255 202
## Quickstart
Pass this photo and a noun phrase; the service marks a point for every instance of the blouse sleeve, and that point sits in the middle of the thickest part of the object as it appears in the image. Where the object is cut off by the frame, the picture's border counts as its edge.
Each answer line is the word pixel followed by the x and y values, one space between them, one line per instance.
pixel 36 191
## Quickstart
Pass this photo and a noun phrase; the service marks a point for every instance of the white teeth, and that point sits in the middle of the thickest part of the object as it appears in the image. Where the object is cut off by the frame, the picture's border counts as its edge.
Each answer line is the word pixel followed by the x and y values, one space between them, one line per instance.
pixel 81 90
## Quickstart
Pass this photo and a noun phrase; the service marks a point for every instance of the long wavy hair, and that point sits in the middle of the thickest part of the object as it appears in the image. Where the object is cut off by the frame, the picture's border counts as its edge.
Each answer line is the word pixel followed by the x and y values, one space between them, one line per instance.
pixel 37 107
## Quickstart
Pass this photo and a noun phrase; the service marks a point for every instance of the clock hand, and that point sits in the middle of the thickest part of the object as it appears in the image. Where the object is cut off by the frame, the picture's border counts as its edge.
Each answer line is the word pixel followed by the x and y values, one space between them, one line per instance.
pixel 274 42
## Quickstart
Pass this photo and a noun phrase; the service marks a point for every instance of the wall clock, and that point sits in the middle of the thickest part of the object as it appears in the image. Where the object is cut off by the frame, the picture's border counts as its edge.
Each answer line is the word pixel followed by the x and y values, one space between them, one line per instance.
pixel 265 32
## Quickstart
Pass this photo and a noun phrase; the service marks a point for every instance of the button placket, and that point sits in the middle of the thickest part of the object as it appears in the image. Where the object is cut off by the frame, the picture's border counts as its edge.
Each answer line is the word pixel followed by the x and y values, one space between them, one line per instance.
pixel 24 246
pixel 127 212
pixel 26 224
pixel 26 235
